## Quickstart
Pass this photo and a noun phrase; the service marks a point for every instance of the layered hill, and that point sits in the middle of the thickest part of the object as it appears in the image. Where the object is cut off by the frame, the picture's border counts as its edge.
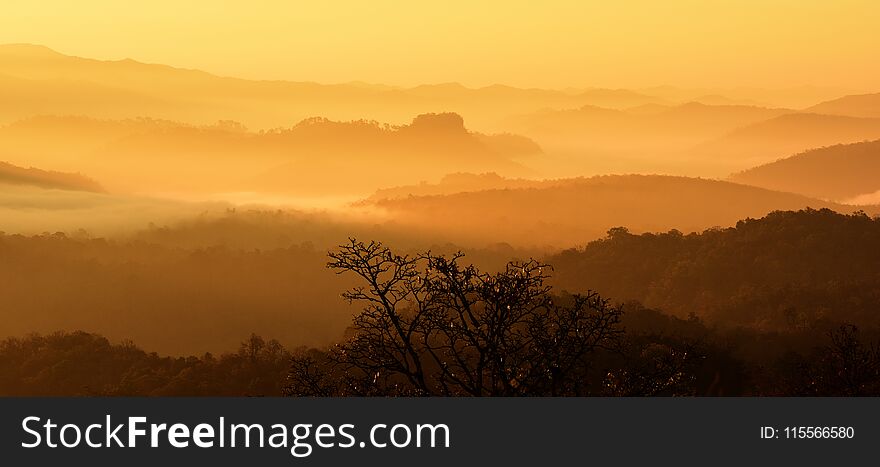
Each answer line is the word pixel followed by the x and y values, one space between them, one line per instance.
pixel 570 212
pixel 37 80
pixel 784 272
pixel 652 126
pixel 840 172
pixel 793 97
pixel 459 182
pixel 857 105
pixel 14 175
pixel 766 141
pixel 653 138
pixel 315 156
pixel 362 155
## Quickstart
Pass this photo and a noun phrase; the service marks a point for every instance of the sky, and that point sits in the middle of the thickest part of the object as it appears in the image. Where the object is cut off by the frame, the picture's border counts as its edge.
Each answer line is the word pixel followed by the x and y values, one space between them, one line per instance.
pixel 551 44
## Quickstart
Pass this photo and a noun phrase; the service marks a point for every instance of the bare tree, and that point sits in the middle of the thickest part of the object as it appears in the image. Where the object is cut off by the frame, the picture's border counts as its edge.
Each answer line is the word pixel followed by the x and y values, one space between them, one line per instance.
pixel 432 326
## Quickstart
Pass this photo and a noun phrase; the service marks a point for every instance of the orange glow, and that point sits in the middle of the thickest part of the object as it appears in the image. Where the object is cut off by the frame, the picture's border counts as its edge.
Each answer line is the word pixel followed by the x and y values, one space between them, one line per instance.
pixel 554 44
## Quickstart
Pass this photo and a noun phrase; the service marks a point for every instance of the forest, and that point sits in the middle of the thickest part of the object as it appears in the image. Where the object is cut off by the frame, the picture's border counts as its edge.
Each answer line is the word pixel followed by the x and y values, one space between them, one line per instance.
pixel 756 309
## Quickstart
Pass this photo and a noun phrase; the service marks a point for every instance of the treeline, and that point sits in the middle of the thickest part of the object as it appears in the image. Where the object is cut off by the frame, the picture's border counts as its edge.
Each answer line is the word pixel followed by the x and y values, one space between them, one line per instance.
pixel 785 272
pixel 84 364
pixel 654 354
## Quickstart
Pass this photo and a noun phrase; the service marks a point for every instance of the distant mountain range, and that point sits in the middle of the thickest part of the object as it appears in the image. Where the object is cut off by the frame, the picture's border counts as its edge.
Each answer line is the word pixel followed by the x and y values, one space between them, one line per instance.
pixel 788 134
pixel 793 97
pixel 348 157
pixel 36 80
pixel 651 127
pixel 116 120
pixel 733 135
pixel 316 156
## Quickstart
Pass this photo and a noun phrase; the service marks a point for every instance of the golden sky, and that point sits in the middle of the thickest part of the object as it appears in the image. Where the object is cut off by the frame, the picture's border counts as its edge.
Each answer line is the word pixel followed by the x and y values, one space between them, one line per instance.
pixel 524 43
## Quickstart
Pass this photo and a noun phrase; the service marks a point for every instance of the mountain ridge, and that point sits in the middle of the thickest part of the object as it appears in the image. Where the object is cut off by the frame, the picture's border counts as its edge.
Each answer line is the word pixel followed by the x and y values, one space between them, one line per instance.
pixel 573 211
pixel 15 175
pixel 839 172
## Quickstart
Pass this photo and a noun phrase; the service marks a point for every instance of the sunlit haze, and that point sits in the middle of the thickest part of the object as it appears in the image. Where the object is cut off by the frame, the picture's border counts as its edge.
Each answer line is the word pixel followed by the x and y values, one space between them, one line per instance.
pixel 188 174
pixel 553 44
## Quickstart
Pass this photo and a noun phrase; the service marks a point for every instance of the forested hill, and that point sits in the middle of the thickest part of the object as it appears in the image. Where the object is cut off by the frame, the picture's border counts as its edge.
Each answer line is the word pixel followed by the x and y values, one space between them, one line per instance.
pixel 840 172
pixel 14 175
pixel 786 270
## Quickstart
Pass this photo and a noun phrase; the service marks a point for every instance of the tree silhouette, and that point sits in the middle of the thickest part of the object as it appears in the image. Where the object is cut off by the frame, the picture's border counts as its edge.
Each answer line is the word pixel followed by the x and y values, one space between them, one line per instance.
pixel 432 326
